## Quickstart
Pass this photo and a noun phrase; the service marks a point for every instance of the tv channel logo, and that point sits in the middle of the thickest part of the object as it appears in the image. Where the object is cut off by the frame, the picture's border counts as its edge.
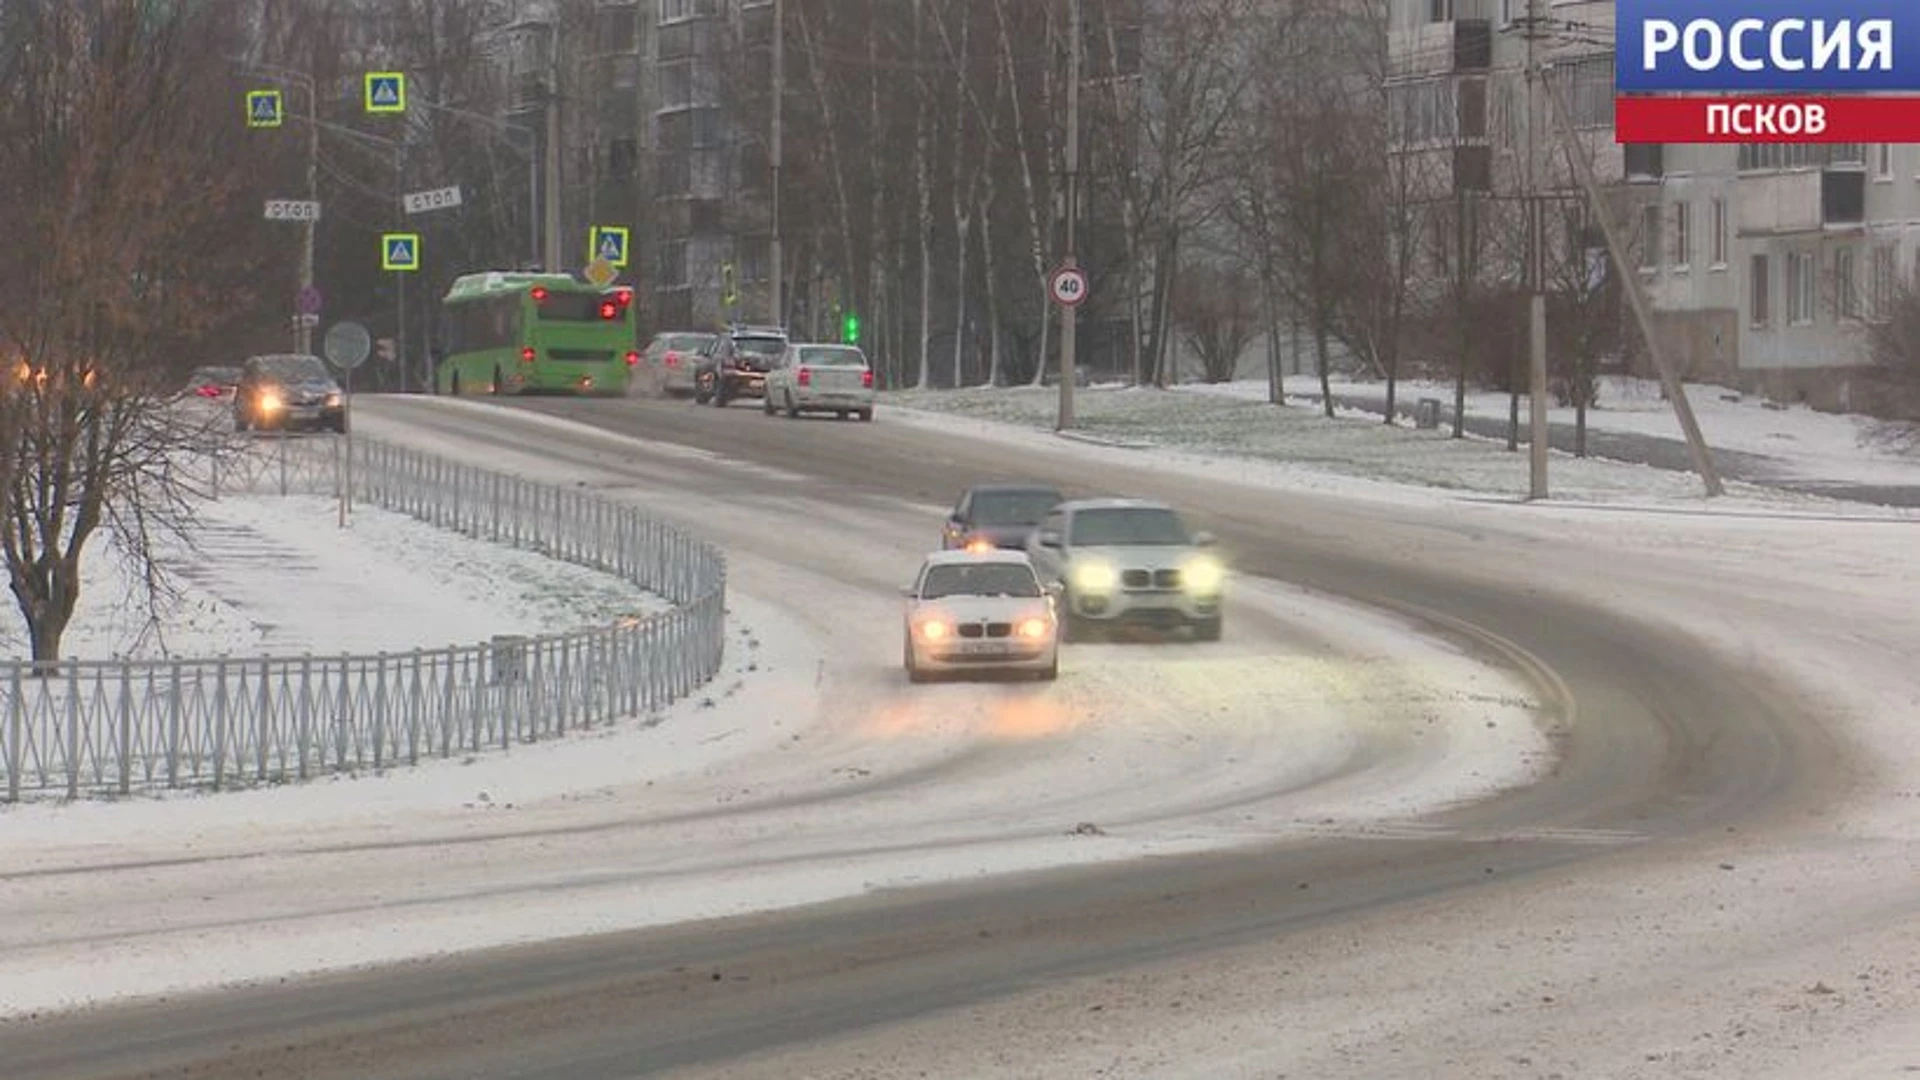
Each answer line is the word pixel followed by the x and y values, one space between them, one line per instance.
pixel 1767 46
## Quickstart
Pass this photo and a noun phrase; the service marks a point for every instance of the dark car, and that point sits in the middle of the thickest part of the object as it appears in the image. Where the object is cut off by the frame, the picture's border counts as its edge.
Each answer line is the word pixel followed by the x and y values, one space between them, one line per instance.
pixel 213 383
pixel 288 391
pixel 998 515
pixel 736 363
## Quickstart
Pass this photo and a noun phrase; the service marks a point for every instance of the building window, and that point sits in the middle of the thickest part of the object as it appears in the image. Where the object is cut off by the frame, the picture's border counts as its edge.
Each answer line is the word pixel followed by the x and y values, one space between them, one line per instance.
pixel 1719 237
pixel 1422 111
pixel 676 85
pixel 1802 289
pixel 1439 10
pixel 1846 284
pixel 1885 262
pixel 708 129
pixel 670 266
pixel 674 176
pixel 754 258
pixel 671 10
pixel 1650 237
pixel 1682 235
pixel 1760 299
pixel 1772 157
pixel 1589 89
pixel 1883 161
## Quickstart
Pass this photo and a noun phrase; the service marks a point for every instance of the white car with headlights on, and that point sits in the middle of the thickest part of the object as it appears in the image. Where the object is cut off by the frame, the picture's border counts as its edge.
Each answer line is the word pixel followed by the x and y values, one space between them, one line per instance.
pixel 984 611
pixel 1128 563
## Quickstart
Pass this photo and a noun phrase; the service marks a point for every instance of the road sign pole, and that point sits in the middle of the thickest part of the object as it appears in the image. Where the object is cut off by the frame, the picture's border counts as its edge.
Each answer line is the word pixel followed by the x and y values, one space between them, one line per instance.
pixel 303 336
pixel 1070 313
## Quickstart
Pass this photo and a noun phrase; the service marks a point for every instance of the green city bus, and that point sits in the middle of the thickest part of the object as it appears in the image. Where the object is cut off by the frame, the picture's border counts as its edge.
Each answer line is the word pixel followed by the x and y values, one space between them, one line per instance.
pixel 515 333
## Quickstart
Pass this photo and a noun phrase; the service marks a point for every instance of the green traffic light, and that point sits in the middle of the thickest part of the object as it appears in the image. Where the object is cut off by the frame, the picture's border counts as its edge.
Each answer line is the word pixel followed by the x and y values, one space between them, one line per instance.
pixel 850 331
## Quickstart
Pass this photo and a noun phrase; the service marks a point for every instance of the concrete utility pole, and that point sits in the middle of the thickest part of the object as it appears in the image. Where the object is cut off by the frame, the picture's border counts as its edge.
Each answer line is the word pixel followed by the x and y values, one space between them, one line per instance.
pixel 1636 294
pixel 774 252
pixel 1069 313
pixel 552 258
pixel 303 333
pixel 1537 271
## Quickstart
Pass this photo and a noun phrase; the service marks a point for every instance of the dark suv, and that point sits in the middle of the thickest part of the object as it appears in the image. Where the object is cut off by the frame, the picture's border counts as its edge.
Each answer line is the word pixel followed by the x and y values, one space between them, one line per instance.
pixel 287 391
pixel 735 364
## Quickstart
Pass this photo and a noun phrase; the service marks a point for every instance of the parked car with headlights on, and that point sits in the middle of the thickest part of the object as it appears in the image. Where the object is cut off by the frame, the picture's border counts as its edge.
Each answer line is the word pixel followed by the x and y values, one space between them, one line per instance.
pixel 997 516
pixel 821 378
pixel 988 612
pixel 1129 563
pixel 288 391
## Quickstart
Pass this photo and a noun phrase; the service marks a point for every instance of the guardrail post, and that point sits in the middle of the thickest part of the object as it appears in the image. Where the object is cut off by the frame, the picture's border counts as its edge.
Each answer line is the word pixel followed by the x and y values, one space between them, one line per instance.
pixel 380 712
pixel 16 732
pixel 266 720
pixel 417 699
pixel 126 729
pixel 73 730
pixel 219 723
pixel 303 717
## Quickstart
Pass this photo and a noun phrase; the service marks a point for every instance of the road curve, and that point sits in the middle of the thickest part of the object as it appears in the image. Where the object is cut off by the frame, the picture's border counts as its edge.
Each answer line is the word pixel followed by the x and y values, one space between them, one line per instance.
pixel 1671 742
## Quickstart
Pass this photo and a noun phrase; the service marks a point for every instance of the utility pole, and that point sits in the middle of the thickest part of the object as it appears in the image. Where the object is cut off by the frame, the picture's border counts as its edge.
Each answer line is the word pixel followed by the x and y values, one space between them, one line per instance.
pixel 400 279
pixel 1069 313
pixel 552 258
pixel 1636 295
pixel 1537 270
pixel 303 333
pixel 774 253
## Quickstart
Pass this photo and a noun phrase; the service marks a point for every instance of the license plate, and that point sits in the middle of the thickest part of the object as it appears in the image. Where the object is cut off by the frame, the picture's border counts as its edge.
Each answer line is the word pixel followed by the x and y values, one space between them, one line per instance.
pixel 982 648
pixel 757 383
pixel 307 412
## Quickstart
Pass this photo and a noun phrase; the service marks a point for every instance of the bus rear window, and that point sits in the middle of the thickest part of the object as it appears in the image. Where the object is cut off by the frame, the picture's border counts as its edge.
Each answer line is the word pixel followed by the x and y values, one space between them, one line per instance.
pixel 578 307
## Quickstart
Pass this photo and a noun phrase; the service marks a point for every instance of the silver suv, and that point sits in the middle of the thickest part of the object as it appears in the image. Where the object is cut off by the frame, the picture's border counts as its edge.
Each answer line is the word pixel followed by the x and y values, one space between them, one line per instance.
pixel 1128 562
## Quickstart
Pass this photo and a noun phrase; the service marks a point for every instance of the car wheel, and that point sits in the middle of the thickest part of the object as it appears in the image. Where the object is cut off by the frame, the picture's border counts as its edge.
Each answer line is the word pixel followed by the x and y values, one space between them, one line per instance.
pixel 1207 629
pixel 340 425
pixel 766 405
pixel 702 389
pixel 866 416
pixel 239 421
pixel 499 384
pixel 914 674
pixel 793 410
pixel 1051 671
pixel 453 385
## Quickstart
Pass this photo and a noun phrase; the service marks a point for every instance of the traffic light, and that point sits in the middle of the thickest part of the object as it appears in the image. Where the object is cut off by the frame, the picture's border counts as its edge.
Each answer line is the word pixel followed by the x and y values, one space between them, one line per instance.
pixel 850 329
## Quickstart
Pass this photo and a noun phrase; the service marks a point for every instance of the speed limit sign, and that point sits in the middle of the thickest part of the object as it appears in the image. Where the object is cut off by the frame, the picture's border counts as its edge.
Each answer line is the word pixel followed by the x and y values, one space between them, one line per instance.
pixel 1068 286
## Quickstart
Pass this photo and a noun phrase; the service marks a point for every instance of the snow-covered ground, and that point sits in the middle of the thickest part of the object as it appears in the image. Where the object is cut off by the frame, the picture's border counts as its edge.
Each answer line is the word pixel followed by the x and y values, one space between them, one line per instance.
pixel 809 770
pixel 1232 423
pixel 277 575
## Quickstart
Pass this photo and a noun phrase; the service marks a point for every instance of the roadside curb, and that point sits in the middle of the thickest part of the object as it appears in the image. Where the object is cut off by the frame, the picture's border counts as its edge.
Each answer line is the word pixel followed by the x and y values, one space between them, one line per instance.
pixel 1100 440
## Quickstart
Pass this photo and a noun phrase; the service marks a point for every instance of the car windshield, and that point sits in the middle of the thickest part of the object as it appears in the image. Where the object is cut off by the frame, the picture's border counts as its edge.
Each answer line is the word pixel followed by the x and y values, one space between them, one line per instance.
pixel 1127 525
pixel 1012 507
pixel 687 342
pixel 294 367
pixel 832 356
pixel 979 579
pixel 214 376
pixel 760 346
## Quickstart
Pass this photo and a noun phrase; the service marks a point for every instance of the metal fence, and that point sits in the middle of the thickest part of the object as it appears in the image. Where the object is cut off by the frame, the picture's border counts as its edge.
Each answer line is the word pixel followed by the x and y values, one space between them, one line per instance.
pixel 118 727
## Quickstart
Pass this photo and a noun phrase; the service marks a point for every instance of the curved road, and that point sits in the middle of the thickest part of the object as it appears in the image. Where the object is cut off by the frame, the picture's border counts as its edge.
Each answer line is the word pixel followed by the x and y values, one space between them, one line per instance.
pixel 1669 742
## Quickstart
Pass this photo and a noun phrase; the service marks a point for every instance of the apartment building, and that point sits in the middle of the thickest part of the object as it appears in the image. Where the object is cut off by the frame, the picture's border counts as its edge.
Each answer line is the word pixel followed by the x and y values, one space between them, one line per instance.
pixel 1761 260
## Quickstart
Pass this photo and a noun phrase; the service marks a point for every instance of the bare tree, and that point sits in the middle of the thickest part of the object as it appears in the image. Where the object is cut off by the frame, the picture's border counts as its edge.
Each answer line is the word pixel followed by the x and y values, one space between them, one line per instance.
pixel 1217 315
pixel 119 193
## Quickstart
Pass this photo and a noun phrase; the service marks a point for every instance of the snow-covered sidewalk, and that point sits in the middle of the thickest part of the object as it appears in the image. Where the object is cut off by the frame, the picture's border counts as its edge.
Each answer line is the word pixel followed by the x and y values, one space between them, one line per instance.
pixel 274 575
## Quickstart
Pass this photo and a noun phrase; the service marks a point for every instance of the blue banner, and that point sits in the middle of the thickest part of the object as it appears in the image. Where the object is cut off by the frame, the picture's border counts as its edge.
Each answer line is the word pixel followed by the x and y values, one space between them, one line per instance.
pixel 1757 46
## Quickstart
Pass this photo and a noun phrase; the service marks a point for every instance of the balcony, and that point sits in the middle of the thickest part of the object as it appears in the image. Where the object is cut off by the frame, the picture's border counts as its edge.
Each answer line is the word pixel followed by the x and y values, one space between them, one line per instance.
pixel 1807 201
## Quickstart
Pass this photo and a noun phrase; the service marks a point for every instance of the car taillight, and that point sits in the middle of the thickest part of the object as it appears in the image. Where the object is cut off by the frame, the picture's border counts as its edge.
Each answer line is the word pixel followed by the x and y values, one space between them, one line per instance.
pixel 623 296
pixel 632 358
pixel 804 377
pixel 673 359
pixel 526 355
pixel 866 379
pixel 609 309
pixel 539 293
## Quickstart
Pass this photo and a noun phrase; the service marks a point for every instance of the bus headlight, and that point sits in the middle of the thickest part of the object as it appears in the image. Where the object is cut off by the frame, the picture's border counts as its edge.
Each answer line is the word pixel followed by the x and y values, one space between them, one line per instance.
pixel 1203 575
pixel 1094 577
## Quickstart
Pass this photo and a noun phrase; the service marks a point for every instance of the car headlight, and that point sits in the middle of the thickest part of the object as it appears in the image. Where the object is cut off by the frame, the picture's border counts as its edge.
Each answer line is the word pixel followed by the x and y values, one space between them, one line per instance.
pixel 1035 629
pixel 1203 575
pixel 1094 577
pixel 333 401
pixel 934 630
pixel 271 401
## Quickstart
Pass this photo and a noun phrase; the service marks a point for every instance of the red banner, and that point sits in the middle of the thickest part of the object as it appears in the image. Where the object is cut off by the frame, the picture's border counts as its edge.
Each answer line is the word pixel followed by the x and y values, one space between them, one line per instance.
pixel 1836 118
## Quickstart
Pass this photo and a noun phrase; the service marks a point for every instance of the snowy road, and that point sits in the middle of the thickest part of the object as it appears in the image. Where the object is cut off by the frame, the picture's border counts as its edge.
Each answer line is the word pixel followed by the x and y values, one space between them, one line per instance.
pixel 1299 734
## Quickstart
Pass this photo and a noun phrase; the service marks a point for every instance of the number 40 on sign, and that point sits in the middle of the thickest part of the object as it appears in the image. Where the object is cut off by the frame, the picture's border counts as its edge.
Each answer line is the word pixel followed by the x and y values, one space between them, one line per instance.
pixel 1068 286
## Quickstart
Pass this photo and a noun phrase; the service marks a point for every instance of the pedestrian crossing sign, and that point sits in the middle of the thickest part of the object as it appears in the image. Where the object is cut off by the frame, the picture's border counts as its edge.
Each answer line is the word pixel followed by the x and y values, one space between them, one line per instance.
pixel 608 242
pixel 400 251
pixel 263 108
pixel 386 92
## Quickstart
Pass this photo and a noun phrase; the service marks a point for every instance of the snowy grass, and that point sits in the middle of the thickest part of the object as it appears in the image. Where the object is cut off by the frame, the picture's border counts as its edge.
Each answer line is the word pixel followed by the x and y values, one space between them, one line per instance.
pixel 1354 444
pixel 263 574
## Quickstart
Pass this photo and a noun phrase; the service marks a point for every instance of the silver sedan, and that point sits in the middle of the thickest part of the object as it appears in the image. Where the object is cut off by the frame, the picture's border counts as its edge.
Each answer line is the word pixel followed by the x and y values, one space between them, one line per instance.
pixel 821 378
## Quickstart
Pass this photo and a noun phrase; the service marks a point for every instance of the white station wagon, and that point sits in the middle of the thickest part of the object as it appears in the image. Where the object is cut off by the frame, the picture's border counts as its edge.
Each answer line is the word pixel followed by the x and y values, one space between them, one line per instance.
pixel 821 378
pixel 983 611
